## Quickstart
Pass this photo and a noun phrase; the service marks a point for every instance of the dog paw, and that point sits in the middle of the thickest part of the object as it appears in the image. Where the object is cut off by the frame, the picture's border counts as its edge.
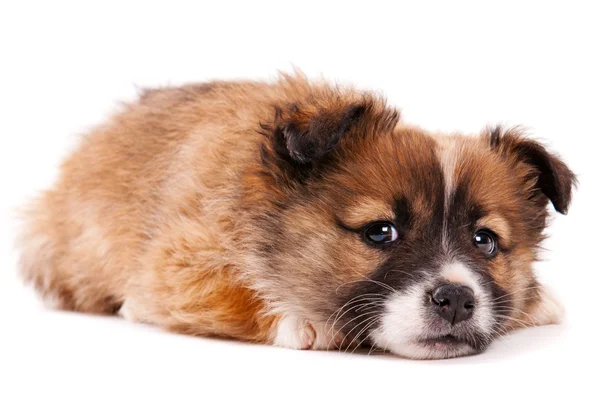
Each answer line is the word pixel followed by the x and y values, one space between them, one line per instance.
pixel 131 311
pixel 548 310
pixel 297 333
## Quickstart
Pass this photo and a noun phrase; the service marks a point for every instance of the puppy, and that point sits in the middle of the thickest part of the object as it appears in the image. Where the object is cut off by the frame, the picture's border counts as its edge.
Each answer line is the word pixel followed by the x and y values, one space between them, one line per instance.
pixel 298 214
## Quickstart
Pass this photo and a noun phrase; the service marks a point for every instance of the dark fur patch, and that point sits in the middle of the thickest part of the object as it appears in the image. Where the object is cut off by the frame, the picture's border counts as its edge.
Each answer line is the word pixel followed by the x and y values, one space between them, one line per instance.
pixel 495 136
pixel 403 214
pixel 554 179
pixel 303 136
pixel 305 142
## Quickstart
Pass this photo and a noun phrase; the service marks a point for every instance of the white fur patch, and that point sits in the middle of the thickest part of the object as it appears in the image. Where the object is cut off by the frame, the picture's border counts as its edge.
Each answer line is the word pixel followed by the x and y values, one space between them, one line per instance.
pixel 458 273
pixel 293 332
pixel 448 153
pixel 549 309
pixel 402 320
pixel 406 319
pixel 403 324
pixel 130 311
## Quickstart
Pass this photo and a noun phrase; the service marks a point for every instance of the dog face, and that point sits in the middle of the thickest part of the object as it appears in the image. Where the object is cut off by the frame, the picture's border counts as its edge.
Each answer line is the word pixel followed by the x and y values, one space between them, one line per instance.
pixel 396 238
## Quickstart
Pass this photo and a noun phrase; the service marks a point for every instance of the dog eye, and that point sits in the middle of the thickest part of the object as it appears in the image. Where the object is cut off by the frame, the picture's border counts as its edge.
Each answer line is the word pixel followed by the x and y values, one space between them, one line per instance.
pixel 485 241
pixel 381 233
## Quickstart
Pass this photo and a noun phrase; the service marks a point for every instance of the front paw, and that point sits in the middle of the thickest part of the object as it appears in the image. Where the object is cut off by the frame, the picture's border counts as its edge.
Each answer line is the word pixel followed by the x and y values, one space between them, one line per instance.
pixel 298 333
pixel 548 309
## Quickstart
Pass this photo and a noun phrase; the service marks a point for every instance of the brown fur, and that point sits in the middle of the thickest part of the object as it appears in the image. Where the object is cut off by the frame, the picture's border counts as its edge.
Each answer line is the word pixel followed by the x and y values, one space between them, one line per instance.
pixel 195 207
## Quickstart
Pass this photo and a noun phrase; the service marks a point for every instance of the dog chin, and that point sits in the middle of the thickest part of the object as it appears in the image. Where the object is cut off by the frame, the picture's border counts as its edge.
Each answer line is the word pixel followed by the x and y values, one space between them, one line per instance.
pixel 432 348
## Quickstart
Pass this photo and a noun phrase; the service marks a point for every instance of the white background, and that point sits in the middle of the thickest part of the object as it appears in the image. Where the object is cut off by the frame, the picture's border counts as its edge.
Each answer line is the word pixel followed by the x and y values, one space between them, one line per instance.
pixel 457 66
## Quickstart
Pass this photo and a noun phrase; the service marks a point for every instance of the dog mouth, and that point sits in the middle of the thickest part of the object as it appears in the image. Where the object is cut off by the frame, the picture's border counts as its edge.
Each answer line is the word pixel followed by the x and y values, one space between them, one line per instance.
pixel 444 342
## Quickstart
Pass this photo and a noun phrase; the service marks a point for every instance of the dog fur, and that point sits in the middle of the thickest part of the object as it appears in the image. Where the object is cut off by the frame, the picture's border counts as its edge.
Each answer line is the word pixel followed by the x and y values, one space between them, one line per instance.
pixel 235 209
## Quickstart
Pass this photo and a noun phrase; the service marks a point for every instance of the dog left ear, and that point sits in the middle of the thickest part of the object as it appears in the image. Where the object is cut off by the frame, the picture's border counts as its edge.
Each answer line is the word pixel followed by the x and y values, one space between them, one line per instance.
pixel 553 178
pixel 303 136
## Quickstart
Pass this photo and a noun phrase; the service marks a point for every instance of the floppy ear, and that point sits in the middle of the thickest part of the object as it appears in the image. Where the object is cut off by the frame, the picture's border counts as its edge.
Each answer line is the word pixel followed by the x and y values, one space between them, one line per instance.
pixel 306 136
pixel 303 136
pixel 552 177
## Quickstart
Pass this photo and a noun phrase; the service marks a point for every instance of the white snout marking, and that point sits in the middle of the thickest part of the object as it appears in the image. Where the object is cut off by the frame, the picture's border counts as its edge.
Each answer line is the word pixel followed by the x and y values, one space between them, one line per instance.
pixel 458 273
pixel 404 323
pixel 406 318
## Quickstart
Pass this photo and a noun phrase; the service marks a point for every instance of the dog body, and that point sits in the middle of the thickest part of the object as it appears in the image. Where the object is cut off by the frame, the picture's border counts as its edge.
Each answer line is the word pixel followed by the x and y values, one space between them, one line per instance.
pixel 298 214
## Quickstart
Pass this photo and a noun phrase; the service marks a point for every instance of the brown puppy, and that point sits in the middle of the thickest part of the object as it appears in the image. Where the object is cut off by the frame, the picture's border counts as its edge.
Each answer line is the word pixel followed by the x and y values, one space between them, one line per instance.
pixel 301 215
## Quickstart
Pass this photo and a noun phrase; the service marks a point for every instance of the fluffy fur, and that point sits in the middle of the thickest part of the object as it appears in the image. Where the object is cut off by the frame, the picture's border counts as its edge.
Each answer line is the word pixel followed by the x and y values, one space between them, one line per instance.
pixel 238 209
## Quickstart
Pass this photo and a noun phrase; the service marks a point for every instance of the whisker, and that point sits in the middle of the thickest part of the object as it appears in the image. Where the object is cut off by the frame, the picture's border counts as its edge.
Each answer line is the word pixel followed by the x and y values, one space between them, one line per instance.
pixel 519 321
pixel 373 346
pixel 374 321
pixel 371 305
pixel 368 322
pixel 350 321
pixel 499 335
pixel 486 283
pixel 366 279
pixel 508 308
pixel 383 285
pixel 399 271
pixel 514 300
pixel 340 314
pixel 337 319
pixel 517 291
pixel 356 299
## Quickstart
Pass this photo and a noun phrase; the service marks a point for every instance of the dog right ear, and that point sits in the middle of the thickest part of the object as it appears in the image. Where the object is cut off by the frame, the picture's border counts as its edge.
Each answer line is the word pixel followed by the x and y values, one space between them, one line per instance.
pixel 552 176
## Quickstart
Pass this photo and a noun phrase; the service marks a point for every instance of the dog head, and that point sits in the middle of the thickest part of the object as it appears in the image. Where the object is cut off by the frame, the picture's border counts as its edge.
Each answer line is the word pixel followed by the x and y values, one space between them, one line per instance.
pixel 411 242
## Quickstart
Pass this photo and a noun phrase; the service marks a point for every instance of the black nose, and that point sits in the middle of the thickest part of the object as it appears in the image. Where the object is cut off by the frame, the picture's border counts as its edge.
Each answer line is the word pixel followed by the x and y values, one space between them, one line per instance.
pixel 455 303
